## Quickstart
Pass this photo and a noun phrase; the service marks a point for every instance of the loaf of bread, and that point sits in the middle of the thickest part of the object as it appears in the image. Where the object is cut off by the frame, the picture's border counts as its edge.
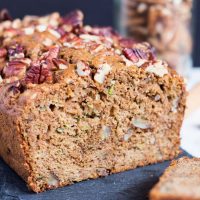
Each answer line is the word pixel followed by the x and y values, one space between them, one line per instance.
pixel 181 181
pixel 80 102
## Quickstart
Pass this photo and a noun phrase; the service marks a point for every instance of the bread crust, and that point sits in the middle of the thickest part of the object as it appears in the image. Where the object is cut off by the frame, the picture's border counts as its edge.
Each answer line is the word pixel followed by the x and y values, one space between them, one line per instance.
pixel 155 193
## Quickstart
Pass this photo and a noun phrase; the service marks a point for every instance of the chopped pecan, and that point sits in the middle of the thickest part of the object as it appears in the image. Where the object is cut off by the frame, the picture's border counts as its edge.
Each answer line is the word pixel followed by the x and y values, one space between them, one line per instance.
pixel 66 37
pixel 50 54
pixel 26 61
pixel 73 20
pixel 16 51
pixel 159 68
pixel 3 52
pixel 53 52
pixel 126 42
pixel 75 42
pixel 59 63
pixel 47 42
pixel 16 24
pixel 104 31
pixel 95 48
pixel 61 31
pixel 149 49
pixel 41 28
pixel 134 54
pixel 16 87
pixel 11 32
pixel 89 38
pixel 152 53
pixel 101 73
pixel 38 74
pixel 4 15
pixel 55 33
pixel 14 68
pixel 29 30
pixel 83 69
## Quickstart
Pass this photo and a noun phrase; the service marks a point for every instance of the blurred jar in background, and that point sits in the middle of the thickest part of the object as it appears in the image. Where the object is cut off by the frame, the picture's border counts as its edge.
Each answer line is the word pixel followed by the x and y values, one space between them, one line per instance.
pixel 163 23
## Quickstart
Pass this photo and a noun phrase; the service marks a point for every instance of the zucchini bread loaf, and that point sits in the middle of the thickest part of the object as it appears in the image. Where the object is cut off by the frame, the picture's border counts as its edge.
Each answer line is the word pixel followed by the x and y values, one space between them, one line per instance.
pixel 80 102
pixel 181 181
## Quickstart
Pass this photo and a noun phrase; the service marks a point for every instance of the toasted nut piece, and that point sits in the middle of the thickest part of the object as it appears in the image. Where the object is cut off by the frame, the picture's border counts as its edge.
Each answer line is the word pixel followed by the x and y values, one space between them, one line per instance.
pixel 83 69
pixel 102 72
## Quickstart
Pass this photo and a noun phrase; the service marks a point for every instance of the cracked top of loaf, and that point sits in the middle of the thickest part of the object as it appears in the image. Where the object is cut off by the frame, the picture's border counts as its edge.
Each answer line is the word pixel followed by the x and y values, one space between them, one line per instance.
pixel 37 50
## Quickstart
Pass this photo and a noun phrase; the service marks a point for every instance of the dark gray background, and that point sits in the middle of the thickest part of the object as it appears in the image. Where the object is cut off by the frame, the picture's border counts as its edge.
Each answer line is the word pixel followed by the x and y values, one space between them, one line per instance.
pixel 98 12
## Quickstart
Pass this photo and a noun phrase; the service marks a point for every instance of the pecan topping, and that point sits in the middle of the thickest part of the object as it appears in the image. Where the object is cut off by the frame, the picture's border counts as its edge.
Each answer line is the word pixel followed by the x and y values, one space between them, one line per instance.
pixel 11 32
pixel 16 51
pixel 134 54
pixel 73 20
pixel 146 47
pixel 126 42
pixel 152 53
pixel 53 52
pixel 75 42
pixel 95 48
pixel 83 69
pixel 104 31
pixel 38 49
pixel 102 72
pixel 4 15
pixel 61 31
pixel 59 63
pixel 16 87
pixel 38 74
pixel 3 52
pixel 14 68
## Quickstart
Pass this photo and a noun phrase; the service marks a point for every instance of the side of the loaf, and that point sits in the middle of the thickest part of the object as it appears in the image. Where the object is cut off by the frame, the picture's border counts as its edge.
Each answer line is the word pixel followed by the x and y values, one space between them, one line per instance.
pixel 75 130
pixel 12 148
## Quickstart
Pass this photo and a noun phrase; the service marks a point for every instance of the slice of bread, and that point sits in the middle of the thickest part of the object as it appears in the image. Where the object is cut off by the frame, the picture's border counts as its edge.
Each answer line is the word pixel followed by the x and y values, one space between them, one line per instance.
pixel 181 181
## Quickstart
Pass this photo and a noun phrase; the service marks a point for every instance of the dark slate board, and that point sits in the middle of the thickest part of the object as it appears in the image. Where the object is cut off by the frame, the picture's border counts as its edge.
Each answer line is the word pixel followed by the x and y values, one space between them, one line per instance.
pixel 130 185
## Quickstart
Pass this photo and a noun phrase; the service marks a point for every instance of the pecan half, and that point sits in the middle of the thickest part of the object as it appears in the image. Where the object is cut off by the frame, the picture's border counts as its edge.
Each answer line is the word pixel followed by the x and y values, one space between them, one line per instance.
pixel 73 20
pixel 38 74
pixel 134 54
pixel 148 48
pixel 4 15
pixel 14 68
